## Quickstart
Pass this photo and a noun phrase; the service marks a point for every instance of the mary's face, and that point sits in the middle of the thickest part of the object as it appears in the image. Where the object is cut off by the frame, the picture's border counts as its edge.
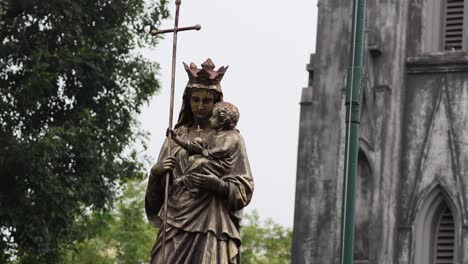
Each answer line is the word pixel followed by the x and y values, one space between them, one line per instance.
pixel 201 102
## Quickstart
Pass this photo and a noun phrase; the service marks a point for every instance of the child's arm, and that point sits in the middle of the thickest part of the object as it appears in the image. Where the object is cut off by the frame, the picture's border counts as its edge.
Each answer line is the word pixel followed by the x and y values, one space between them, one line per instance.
pixel 178 140
pixel 194 147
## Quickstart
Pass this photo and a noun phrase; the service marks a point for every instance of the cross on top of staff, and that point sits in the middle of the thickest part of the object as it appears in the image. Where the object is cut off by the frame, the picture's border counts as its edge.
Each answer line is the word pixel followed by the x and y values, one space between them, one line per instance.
pixel 176 29
pixel 171 109
pixel 174 52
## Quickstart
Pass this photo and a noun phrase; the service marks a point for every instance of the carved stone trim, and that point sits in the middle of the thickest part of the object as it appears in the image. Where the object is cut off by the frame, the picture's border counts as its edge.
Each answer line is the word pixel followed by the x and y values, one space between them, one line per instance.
pixel 422 158
pixel 306 97
pixel 441 62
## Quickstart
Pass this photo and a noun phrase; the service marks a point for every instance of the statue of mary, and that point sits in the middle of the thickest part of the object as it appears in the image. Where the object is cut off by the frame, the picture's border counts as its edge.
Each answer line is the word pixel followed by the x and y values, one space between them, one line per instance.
pixel 202 228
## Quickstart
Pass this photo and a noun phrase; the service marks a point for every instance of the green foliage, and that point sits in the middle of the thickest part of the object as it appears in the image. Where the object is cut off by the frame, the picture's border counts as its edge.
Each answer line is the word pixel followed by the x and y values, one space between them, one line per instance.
pixel 121 235
pixel 70 88
pixel 265 241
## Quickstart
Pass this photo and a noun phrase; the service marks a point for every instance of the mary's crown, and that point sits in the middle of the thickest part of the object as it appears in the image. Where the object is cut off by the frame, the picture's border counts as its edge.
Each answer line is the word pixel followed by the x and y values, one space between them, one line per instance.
pixel 205 77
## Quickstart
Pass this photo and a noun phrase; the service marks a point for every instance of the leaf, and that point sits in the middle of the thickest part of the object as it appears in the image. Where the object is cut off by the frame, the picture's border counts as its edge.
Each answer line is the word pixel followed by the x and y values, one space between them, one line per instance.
pixel 68 101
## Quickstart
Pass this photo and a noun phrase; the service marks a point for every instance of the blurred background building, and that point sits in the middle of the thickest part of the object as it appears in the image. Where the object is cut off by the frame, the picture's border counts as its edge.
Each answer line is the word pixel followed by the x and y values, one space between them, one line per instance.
pixel 412 185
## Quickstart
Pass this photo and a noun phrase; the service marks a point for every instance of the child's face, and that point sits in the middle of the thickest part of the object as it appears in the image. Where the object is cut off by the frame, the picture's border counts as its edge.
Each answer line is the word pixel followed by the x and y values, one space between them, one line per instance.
pixel 214 119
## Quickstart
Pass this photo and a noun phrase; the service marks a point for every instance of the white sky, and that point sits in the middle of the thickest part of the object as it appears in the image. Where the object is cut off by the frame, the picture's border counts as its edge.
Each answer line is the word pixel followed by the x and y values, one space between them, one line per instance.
pixel 266 44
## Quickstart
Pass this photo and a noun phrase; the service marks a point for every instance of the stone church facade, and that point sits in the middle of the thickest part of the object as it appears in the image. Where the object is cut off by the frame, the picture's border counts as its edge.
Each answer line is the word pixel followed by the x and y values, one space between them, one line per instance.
pixel 412 183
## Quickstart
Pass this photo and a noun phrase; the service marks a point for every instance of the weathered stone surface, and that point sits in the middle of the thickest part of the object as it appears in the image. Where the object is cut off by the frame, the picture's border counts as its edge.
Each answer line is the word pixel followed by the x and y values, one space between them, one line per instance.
pixel 414 136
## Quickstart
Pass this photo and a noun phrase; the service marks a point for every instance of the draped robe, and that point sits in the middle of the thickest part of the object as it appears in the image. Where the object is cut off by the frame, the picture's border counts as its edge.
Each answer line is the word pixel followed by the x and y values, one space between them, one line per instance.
pixel 202 228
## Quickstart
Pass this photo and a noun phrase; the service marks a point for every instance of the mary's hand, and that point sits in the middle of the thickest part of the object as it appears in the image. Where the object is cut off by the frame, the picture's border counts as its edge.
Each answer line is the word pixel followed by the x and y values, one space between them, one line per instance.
pixel 208 182
pixel 211 183
pixel 155 181
pixel 165 165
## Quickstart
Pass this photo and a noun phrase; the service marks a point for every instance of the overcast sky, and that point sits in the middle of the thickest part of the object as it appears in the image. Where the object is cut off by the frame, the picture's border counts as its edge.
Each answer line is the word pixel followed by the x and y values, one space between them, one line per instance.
pixel 267 46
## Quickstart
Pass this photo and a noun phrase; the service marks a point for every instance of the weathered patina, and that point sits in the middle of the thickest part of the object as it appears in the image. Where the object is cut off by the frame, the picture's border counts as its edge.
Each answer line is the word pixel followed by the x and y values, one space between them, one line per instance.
pixel 203 211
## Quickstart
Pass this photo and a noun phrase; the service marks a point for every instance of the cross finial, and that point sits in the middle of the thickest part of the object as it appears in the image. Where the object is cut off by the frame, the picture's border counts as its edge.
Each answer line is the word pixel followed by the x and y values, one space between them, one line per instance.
pixel 176 28
pixel 171 111
pixel 174 52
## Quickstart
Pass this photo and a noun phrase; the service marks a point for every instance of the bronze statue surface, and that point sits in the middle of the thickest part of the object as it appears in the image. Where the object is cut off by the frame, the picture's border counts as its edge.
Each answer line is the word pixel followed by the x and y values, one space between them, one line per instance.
pixel 210 181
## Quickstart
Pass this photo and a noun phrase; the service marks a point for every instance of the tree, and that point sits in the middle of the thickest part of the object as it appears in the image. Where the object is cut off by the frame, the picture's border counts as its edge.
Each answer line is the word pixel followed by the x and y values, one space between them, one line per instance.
pixel 124 236
pixel 265 242
pixel 70 88
pixel 121 235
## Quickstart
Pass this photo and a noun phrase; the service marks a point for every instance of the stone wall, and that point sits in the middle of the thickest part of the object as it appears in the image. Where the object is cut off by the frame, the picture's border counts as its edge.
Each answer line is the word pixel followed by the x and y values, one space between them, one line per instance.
pixel 414 133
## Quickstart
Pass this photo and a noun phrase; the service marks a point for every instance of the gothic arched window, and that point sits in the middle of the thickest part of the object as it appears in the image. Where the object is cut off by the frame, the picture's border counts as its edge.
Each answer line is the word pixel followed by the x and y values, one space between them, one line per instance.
pixel 445 24
pixel 364 186
pixel 454 23
pixel 444 242
pixel 435 231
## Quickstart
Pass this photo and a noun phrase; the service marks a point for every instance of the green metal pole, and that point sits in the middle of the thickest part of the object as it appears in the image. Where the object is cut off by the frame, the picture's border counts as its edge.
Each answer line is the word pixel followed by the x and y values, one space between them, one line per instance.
pixel 353 104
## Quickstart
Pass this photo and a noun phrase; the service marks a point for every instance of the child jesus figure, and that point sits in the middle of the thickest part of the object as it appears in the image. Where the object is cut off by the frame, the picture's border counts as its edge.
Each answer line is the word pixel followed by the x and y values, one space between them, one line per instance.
pixel 218 156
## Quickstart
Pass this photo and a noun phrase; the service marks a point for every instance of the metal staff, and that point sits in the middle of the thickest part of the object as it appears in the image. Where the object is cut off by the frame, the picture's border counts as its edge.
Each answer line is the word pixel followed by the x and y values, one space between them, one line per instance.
pixel 171 108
